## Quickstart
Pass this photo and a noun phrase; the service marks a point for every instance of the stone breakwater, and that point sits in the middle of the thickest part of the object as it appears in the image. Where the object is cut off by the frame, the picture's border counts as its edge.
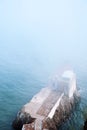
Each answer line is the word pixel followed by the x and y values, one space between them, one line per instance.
pixel 50 108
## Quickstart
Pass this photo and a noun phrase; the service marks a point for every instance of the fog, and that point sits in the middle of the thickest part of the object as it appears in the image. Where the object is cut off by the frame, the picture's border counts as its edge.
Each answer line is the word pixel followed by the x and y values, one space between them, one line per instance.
pixel 39 35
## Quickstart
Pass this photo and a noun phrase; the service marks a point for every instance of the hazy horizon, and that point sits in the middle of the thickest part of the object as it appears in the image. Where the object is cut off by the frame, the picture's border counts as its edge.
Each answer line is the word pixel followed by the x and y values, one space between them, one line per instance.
pixel 45 31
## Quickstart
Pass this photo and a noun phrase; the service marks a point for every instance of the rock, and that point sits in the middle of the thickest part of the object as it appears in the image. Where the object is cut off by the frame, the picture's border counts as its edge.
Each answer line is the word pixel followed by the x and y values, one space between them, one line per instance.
pixel 85 125
pixel 22 118
pixel 62 113
pixel 28 126
pixel 50 108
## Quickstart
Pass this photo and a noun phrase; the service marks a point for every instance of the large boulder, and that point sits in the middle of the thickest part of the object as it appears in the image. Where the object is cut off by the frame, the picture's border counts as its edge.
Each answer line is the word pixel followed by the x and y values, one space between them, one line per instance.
pixel 22 118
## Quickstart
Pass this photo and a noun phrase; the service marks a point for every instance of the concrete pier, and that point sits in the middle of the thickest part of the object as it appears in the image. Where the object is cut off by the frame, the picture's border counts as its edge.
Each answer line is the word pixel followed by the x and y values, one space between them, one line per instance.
pixel 52 104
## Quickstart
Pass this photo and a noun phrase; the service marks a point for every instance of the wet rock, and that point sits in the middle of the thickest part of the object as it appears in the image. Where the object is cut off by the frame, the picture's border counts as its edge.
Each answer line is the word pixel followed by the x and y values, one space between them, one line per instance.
pixel 85 125
pixel 22 118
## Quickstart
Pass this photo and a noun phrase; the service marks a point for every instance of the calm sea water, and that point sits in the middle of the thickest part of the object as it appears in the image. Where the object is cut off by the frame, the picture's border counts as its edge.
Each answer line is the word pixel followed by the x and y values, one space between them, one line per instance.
pixel 20 80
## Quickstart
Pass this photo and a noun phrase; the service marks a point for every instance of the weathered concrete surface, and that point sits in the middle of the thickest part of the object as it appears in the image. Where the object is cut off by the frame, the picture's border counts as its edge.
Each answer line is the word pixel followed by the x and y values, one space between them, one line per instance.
pixel 51 106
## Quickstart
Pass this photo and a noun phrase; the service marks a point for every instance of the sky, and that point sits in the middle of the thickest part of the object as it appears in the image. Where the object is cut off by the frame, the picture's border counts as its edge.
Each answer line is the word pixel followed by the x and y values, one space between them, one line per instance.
pixel 43 30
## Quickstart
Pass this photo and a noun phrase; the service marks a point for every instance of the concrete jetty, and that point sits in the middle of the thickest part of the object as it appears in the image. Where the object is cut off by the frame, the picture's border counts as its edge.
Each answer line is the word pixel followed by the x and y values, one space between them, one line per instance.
pixel 51 106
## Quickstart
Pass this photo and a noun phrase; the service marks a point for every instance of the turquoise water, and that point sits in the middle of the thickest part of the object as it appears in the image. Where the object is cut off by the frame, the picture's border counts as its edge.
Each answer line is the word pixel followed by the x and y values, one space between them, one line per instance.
pixel 22 75
pixel 20 78
pixel 16 88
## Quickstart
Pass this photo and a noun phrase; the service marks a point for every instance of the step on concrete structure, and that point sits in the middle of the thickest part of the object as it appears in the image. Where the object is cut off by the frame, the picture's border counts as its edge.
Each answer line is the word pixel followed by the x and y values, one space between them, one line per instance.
pixel 51 102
